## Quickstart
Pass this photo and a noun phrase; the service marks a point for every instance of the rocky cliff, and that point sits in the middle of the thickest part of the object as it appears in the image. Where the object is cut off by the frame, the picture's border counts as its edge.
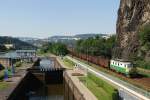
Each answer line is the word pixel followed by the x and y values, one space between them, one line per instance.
pixel 132 15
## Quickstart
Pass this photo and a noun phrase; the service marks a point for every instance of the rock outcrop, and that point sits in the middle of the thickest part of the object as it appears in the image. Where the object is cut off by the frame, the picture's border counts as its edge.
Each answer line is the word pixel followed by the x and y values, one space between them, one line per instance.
pixel 132 14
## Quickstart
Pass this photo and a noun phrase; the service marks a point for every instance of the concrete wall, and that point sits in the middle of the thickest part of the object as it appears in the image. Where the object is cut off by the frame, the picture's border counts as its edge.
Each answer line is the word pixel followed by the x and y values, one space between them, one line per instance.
pixel 74 89
pixel 71 92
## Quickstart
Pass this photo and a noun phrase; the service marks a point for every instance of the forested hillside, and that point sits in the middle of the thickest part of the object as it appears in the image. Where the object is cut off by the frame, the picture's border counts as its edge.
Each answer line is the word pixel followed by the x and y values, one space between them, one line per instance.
pixel 18 44
pixel 97 46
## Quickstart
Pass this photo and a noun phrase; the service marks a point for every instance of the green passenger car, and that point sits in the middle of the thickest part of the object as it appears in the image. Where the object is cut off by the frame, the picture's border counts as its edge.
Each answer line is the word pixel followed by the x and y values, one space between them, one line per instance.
pixel 121 66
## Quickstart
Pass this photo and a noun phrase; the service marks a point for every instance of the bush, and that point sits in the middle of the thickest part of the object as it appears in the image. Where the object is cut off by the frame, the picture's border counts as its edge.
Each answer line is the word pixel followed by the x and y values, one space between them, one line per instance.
pixel 1 67
pixel 144 35
pixel 142 64
pixel 18 64
pixel 1 77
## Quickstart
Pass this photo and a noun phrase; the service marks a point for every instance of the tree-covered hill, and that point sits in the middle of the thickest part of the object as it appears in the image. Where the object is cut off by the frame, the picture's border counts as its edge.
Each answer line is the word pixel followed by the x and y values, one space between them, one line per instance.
pixel 17 43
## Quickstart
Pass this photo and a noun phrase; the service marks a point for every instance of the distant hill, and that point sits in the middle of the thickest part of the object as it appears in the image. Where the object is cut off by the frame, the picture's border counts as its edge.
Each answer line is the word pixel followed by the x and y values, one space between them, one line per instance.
pixel 26 38
pixel 69 40
pixel 18 43
pixel 75 37
pixel 33 41
pixel 85 36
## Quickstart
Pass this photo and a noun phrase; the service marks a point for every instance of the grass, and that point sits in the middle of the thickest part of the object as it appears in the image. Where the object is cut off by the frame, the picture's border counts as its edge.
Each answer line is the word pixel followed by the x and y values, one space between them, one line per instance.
pixel 116 75
pixel 101 89
pixel 3 85
pixel 143 72
pixel 1 77
pixel 68 63
pixel 1 74
pixel 18 64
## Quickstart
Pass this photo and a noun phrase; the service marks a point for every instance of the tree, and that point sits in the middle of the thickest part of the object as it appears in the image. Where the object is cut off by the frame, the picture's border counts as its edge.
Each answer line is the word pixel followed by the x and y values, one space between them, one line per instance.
pixel 145 36
pixel 2 48
pixel 55 48
pixel 97 46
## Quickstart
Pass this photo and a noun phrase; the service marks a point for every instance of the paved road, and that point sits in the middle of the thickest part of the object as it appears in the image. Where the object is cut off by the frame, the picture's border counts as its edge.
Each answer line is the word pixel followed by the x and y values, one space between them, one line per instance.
pixel 136 93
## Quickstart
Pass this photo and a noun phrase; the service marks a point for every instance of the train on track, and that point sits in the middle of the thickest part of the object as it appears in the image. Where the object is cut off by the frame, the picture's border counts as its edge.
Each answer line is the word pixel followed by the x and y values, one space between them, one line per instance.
pixel 117 65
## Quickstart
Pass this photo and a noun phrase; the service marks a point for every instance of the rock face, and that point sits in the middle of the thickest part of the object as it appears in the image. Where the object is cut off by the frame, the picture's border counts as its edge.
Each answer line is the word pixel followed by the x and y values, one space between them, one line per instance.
pixel 132 14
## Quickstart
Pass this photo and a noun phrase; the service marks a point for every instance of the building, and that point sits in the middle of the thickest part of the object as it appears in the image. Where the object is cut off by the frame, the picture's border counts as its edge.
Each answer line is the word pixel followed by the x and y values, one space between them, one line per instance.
pixel 5 62
pixel 7 59
pixel 8 46
pixel 26 55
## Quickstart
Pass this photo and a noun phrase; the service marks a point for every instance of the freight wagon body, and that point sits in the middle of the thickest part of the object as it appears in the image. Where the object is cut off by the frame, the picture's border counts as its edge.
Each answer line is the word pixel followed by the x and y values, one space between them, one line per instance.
pixel 118 65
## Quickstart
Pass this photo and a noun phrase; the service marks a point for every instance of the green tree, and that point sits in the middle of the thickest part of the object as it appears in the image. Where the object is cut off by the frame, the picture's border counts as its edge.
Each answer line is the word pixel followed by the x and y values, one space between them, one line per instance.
pixel 55 48
pixel 97 46
pixel 145 36
pixel 3 48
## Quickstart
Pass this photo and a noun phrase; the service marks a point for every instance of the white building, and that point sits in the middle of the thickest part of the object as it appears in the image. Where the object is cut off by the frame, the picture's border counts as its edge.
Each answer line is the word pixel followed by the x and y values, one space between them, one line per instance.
pixel 26 55
pixel 8 46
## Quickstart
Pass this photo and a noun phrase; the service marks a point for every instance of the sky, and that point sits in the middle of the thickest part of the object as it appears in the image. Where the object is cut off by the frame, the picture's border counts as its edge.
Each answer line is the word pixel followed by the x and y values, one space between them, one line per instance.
pixel 44 18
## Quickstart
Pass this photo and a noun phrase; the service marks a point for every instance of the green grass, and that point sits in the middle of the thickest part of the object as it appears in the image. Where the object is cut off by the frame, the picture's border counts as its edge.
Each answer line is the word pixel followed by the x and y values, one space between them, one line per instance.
pixel 115 75
pixel 1 74
pixel 3 85
pixel 143 72
pixel 101 89
pixel 1 77
pixel 18 64
pixel 68 63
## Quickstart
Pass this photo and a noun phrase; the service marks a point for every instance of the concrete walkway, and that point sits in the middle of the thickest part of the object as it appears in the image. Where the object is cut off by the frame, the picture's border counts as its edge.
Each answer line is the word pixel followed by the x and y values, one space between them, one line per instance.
pixel 13 81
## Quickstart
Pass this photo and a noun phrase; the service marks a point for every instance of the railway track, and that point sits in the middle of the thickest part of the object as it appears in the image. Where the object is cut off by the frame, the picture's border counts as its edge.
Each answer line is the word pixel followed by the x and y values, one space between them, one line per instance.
pixel 136 93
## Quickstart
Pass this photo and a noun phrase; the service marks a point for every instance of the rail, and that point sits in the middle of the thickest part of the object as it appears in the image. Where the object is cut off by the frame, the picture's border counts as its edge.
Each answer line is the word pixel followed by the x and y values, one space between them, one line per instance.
pixel 124 85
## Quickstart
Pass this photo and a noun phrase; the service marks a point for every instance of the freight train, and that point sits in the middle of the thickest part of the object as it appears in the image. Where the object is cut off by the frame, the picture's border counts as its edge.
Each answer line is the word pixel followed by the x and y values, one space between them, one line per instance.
pixel 117 65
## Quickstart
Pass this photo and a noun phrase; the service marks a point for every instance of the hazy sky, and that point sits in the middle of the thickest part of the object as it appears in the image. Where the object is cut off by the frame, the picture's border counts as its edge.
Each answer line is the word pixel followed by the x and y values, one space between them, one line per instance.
pixel 43 18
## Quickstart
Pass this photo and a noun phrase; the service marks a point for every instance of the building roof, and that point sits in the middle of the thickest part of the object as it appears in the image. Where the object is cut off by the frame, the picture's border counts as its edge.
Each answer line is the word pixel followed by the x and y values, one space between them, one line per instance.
pixel 11 54
pixel 25 50
pixel 122 60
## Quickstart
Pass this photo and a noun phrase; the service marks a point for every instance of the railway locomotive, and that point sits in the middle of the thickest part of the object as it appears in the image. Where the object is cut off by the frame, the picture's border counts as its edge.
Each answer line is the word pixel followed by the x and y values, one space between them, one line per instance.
pixel 122 66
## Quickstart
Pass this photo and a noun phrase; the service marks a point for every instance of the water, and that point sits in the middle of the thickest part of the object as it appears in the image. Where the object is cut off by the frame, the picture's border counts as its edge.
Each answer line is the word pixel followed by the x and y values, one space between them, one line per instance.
pixel 44 85
pixel 48 92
